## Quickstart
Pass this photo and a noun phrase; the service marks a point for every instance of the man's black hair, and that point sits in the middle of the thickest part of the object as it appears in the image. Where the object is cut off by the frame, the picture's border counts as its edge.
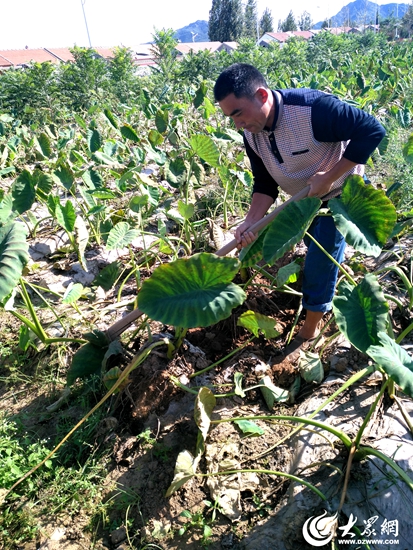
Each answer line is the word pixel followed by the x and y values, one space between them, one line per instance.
pixel 239 79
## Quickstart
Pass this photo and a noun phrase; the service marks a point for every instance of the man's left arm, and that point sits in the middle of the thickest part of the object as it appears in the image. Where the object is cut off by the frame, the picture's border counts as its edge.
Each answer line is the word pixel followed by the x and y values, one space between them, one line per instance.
pixel 334 120
pixel 320 184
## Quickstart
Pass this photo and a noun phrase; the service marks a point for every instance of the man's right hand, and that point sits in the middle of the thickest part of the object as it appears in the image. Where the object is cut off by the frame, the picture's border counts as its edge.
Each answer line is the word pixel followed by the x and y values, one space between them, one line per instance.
pixel 259 206
pixel 243 236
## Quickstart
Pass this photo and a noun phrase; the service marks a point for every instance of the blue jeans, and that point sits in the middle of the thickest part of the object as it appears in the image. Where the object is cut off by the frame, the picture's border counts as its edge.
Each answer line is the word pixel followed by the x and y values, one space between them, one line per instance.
pixel 320 274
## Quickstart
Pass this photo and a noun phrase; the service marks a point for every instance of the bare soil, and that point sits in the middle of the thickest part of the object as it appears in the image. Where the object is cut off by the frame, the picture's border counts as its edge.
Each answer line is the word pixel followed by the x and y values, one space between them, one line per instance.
pixel 145 468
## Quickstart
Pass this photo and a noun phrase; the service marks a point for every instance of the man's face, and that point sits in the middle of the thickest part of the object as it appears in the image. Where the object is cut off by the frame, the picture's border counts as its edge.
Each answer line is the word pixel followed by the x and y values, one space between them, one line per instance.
pixel 251 114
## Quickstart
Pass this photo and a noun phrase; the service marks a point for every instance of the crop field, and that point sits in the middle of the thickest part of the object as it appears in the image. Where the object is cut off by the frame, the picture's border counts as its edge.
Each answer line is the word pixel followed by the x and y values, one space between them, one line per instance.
pixel 143 400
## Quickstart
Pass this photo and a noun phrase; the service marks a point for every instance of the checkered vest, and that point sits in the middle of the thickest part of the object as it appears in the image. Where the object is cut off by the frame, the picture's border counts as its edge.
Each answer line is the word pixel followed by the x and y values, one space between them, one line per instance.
pixel 301 153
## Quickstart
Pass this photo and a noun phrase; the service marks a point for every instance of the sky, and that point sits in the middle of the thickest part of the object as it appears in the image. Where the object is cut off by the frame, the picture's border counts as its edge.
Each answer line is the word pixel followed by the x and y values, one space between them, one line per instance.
pixel 65 23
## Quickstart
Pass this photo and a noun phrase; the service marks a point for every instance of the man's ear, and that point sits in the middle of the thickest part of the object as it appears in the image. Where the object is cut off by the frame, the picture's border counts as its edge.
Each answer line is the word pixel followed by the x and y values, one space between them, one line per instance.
pixel 262 95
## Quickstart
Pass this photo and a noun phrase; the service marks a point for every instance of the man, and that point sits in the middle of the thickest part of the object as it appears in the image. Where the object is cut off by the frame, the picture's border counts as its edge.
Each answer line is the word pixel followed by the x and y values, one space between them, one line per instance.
pixel 294 138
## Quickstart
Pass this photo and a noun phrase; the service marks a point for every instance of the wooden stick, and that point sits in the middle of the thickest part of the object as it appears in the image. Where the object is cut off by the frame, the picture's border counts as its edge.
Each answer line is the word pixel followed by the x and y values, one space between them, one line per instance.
pixel 263 222
pixel 120 326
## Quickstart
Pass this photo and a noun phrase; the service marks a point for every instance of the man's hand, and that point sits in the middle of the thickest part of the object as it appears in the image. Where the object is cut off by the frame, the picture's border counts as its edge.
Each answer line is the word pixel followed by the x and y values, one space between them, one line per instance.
pixel 259 206
pixel 320 184
pixel 243 236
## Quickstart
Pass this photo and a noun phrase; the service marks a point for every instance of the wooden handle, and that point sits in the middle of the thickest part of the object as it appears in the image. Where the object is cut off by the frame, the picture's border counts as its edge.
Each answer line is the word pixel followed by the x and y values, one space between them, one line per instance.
pixel 263 222
pixel 120 326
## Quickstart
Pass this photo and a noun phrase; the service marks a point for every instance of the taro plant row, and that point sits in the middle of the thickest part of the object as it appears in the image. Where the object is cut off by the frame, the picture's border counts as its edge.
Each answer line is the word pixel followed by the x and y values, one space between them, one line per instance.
pixel 199 291
pixel 88 179
pixel 366 218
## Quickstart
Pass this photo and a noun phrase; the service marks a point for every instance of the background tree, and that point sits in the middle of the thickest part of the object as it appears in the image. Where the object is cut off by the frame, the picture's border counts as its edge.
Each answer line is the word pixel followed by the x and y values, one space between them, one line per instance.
pixel 164 52
pixel 214 25
pixel 389 27
pixel 226 20
pixel 304 21
pixel 84 82
pixel 266 22
pixel 121 69
pixel 407 23
pixel 250 20
pixel 326 24
pixel 288 24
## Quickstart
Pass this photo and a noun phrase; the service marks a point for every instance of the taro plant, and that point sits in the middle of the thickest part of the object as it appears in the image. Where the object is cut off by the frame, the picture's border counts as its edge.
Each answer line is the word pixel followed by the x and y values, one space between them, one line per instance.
pixel 14 248
pixel 181 172
pixel 191 292
pixel 366 218
pixel 13 259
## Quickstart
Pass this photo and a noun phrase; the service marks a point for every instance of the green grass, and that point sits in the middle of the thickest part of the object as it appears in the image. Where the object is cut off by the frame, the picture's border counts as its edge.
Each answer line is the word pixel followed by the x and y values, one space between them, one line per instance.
pixel 69 484
pixel 392 169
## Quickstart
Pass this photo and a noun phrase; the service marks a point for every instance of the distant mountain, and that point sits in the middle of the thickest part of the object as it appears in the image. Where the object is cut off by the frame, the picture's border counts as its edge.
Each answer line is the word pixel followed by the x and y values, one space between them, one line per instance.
pixel 195 32
pixel 359 12
pixel 363 12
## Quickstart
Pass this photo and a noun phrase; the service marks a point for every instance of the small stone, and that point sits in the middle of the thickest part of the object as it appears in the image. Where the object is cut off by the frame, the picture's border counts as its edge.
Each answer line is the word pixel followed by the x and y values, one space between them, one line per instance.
pixel 216 346
pixel 339 364
pixel 118 536
pixel 227 541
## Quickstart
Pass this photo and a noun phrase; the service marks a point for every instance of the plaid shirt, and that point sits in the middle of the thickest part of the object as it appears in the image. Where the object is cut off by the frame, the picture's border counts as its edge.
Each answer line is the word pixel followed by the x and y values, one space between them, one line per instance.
pixel 311 132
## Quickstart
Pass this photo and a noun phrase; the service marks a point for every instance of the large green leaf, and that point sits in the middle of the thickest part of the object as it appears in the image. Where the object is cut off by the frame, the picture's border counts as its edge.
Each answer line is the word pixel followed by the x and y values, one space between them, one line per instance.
pixel 176 172
pixel 6 209
pixel 7 170
pixel 111 117
pixel 66 216
pixel 249 428
pixel 44 145
pixel 103 158
pixel 121 235
pixel 13 257
pixel 198 171
pixel 155 137
pixel 186 210
pixel 13 143
pixel 161 120
pixel 129 133
pixel 23 192
pixel 65 175
pixel 86 361
pixel 94 140
pixel 108 276
pixel 289 227
pixel 209 108
pixel 408 150
pixel 73 293
pixel 205 148
pixel 138 202
pixel 252 254
pixel 394 360
pixel 200 93
pixel 44 184
pixel 361 311
pixel 288 274
pixel 192 292
pixel 363 215
pixel 229 134
pixel 257 323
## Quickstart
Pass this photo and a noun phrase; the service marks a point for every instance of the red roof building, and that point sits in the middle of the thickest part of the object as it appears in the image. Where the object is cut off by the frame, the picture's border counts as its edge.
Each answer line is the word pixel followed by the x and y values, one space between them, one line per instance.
pixel 17 58
pixel 62 54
